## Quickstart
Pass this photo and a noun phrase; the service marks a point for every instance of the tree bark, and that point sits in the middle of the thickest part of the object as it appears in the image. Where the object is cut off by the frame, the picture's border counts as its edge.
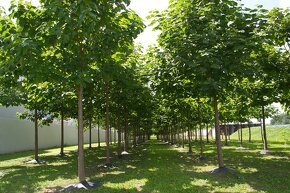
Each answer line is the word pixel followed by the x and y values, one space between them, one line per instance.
pixel 241 142
pixel 178 137
pixel 126 134
pixel 264 129
pixel 36 135
pixel 111 136
pixel 217 133
pixel 250 133
pixel 200 140
pixel 189 141
pixel 207 133
pixel 115 136
pixel 107 100
pixel 81 165
pixel 119 138
pixel 195 134
pixel 62 133
pixel 200 132
pixel 226 133
pixel 262 135
pixel 239 134
pixel 90 134
pixel 135 137
pixel 99 140
pixel 182 138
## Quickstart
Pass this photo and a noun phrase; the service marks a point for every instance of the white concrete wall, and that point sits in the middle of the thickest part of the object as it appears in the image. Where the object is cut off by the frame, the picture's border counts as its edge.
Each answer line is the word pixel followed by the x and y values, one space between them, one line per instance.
pixel 18 135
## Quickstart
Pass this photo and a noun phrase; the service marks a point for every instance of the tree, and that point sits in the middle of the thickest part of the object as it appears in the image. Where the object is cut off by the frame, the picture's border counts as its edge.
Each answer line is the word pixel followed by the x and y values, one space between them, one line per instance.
pixel 205 42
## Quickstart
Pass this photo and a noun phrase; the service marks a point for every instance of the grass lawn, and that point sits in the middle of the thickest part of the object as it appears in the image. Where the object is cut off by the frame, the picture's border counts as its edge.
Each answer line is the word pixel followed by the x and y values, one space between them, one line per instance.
pixel 153 167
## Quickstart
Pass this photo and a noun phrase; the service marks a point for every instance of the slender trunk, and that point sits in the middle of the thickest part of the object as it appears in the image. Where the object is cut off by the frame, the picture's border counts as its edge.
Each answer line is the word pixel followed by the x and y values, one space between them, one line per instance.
pixel 195 132
pixel 189 141
pixel 178 137
pixel 217 133
pixel 183 139
pixel 226 133
pixel 81 164
pixel 126 134
pixel 62 133
pixel 119 138
pixel 115 136
pixel 250 133
pixel 111 141
pixel 108 159
pixel 200 132
pixel 99 140
pixel 200 140
pixel 90 128
pixel 230 131
pixel 241 135
pixel 171 136
pixel 36 135
pixel 264 129
pixel 262 135
pixel 207 133
pixel 135 137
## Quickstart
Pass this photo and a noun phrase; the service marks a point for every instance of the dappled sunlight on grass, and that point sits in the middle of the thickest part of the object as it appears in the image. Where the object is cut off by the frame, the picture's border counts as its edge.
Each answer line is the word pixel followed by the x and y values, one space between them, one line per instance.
pixel 248 170
pixel 127 185
pixel 152 167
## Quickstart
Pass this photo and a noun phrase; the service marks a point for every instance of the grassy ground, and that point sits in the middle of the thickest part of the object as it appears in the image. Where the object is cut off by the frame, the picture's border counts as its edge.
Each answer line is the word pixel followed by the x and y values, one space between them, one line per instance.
pixel 274 134
pixel 153 167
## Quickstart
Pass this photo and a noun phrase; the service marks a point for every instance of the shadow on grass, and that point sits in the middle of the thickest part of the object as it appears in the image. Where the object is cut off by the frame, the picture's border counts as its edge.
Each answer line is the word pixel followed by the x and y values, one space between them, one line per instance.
pixel 154 167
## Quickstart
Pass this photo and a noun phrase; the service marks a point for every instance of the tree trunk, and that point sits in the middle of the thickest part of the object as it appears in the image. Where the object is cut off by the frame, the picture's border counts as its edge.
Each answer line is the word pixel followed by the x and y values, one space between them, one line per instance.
pixel 81 164
pixel 262 135
pixel 241 144
pixel 200 140
pixel 62 134
pixel 90 134
pixel 207 133
pixel 189 141
pixel 108 158
pixel 250 133
pixel 126 134
pixel 195 133
pixel 226 134
pixel 36 135
pixel 115 136
pixel 171 136
pixel 239 134
pixel 217 133
pixel 230 131
pixel 111 136
pixel 119 138
pixel 99 138
pixel 264 129
pixel 134 137
pixel 183 139
pixel 178 137
pixel 200 133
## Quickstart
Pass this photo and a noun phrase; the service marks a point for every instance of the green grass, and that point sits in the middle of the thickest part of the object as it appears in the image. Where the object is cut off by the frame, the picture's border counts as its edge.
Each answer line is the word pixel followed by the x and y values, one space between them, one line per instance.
pixel 274 133
pixel 153 167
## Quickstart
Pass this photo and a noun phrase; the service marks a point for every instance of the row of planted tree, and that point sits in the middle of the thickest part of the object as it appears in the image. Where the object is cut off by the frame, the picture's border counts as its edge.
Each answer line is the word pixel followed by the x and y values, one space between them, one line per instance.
pixel 216 62
pixel 219 62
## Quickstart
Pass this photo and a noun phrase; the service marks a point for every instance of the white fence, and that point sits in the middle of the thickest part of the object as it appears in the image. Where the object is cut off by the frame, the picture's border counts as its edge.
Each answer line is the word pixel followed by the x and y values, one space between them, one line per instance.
pixel 18 135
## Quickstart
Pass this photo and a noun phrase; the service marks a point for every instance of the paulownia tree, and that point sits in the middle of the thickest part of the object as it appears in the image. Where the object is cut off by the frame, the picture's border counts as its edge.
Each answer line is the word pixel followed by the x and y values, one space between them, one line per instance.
pixel 205 40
